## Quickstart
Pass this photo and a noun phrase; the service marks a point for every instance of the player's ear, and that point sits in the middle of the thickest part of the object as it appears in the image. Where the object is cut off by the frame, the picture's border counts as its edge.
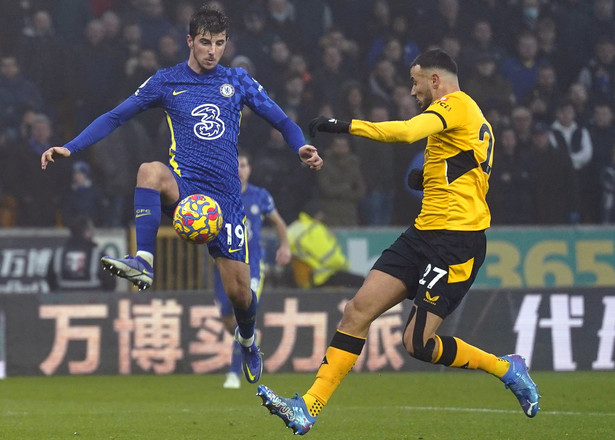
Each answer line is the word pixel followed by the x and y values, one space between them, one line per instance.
pixel 435 80
pixel 190 41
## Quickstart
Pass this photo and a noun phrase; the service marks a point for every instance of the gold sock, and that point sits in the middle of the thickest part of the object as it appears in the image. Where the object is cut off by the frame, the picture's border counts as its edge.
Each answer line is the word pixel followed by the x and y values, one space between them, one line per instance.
pixel 340 357
pixel 473 358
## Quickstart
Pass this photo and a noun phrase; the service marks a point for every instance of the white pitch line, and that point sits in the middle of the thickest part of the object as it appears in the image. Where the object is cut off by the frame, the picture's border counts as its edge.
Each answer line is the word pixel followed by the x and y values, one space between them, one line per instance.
pixel 505 411
pixel 491 410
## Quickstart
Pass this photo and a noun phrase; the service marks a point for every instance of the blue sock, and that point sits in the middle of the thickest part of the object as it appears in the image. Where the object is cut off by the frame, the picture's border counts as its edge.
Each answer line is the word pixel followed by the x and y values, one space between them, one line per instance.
pixel 147 218
pixel 236 359
pixel 246 319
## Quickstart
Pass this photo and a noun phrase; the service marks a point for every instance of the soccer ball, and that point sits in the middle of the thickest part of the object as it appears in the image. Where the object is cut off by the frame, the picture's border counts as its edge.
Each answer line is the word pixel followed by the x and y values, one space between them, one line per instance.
pixel 198 219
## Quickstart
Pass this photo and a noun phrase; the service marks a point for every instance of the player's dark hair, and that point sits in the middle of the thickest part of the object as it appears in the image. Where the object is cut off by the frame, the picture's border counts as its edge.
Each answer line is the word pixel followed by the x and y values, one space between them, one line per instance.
pixel 209 21
pixel 435 59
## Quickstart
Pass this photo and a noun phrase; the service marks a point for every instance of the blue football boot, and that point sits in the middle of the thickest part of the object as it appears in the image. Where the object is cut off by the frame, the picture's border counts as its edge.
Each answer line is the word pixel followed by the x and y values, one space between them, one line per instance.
pixel 134 269
pixel 520 383
pixel 252 361
pixel 292 411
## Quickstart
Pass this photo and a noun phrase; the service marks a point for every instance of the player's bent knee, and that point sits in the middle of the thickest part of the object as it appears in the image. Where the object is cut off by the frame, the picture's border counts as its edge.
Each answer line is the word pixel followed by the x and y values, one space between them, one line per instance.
pixel 424 352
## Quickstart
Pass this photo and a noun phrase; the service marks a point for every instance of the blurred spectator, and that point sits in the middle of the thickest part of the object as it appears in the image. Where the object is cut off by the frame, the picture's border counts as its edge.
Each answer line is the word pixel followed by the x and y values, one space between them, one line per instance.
pixel 404 104
pixel 181 25
pixel 578 96
pixel 377 163
pixel 522 120
pixel 602 132
pixel 245 63
pixel 351 16
pixel 169 53
pixel 508 195
pixel 115 161
pixel 377 22
pixel 43 61
pixel 445 19
pixel 138 71
pixel 349 49
pixel 573 19
pixel 487 86
pixel 552 183
pixel 75 266
pixel 272 77
pixel 352 101
pixel 318 259
pixel 521 68
pixel 130 46
pixel 151 18
pixel 297 65
pixel 315 19
pixel 602 20
pixel 543 98
pixel 96 72
pixel 328 77
pixel 70 18
pixel 14 19
pixel 567 135
pixel 482 44
pixel 399 31
pixel 607 191
pixel 382 80
pixel 83 198
pixel 548 46
pixel 524 16
pixel 38 200
pixel 294 99
pixel 282 20
pixel 146 65
pixel 113 28
pixel 341 184
pixel 16 95
pixel 256 38
pixel 275 169
pixel 598 75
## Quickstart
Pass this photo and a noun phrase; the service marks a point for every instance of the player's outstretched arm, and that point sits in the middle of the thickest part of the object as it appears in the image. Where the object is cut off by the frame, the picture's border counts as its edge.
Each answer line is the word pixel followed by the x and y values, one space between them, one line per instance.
pixel 282 255
pixel 309 156
pixel 53 153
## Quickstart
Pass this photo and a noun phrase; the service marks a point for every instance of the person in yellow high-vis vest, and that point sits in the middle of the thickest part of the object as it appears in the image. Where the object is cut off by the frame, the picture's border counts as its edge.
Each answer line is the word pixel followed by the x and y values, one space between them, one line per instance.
pixel 318 260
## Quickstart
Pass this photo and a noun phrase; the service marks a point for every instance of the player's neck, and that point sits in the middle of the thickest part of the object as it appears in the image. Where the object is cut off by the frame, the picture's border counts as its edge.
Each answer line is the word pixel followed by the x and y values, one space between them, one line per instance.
pixel 446 89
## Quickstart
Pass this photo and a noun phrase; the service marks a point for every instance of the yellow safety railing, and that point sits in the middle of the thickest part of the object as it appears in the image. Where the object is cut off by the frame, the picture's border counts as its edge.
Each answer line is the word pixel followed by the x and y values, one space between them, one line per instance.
pixel 178 265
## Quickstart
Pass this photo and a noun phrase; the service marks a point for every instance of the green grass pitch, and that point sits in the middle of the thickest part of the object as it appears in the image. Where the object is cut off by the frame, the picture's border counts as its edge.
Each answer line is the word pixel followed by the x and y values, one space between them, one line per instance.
pixel 413 406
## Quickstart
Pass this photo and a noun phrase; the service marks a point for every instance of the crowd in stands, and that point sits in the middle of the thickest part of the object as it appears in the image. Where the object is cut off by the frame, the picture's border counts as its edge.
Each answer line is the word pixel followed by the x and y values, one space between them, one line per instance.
pixel 543 72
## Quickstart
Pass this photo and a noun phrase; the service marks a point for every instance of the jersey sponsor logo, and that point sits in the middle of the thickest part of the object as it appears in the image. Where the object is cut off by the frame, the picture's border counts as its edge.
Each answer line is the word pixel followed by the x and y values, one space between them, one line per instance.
pixel 431 299
pixel 231 250
pixel 175 92
pixel 211 126
pixel 443 104
pixel 227 90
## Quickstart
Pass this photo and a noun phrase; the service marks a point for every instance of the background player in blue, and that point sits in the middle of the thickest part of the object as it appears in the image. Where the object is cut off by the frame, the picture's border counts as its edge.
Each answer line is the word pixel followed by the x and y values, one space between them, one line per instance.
pixel 259 206
pixel 202 101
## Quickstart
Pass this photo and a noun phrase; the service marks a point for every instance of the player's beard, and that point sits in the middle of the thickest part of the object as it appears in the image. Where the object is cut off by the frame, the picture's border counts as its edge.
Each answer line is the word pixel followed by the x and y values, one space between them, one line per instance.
pixel 425 102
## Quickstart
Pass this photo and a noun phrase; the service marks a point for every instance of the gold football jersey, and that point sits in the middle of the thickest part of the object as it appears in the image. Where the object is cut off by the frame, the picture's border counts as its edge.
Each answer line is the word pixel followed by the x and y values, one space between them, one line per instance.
pixel 458 160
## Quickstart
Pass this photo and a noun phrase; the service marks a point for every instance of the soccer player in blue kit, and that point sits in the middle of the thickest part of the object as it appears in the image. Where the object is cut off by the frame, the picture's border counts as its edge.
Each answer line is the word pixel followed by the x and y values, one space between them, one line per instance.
pixel 259 206
pixel 202 101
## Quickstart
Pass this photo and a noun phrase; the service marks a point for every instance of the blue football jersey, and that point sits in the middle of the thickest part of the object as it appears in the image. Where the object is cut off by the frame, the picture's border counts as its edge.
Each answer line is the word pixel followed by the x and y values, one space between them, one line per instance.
pixel 203 112
pixel 258 204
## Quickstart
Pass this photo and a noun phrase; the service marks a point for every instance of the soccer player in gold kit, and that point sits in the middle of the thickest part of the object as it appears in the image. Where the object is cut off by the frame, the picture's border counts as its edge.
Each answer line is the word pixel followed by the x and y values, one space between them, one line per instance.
pixel 435 261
